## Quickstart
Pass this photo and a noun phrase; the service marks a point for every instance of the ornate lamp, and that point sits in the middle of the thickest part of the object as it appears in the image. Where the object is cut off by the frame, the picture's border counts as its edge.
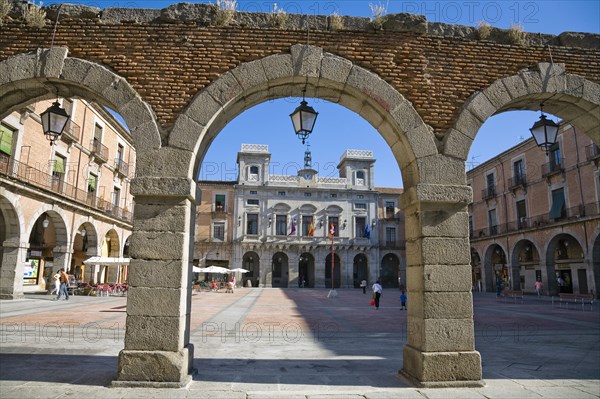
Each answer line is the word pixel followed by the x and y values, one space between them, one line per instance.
pixel 544 131
pixel 54 120
pixel 303 119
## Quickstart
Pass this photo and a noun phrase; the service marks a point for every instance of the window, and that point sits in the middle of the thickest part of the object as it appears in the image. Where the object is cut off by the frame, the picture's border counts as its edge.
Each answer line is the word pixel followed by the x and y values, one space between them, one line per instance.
pixel 220 203
pixel 470 225
pixel 390 236
pixel 97 133
pixel 252 202
pixel 120 151
pixel 336 225
pixel 219 231
pixel 519 172
pixel 493 221
pixel 360 196
pixel 58 170
pixel 490 184
pixel 92 183
pixel 281 193
pixel 390 209
pixel 253 173
pixel 360 225
pixel 333 195
pixel 307 226
pixel 308 194
pixel 360 178
pixel 360 205
pixel 253 192
pixel 521 214
pixel 252 223
pixel 555 158
pixel 558 210
pixel 281 225
pixel 6 140
pixel 116 197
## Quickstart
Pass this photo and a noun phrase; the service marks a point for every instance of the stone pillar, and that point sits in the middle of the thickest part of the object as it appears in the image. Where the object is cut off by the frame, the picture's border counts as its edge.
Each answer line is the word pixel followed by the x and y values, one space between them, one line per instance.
pixel 11 270
pixel 440 351
pixel 158 352
pixel 515 276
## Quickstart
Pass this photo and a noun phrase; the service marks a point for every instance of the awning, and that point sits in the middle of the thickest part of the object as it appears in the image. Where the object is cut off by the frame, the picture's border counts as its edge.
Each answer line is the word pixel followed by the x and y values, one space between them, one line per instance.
pixel 106 260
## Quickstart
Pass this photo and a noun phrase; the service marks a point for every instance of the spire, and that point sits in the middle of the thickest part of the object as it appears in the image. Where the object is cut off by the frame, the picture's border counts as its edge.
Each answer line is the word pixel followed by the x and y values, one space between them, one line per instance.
pixel 307 157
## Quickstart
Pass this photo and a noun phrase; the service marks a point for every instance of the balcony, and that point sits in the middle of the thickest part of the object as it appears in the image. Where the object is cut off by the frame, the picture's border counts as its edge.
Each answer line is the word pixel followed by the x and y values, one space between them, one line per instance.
pixel 552 168
pixel 488 193
pixel 55 185
pixel 592 153
pixel 71 133
pixel 99 151
pixel 517 181
pixel 121 167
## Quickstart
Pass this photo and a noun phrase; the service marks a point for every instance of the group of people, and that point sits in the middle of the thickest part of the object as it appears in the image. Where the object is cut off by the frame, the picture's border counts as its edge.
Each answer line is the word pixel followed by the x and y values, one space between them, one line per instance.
pixel 378 290
pixel 61 285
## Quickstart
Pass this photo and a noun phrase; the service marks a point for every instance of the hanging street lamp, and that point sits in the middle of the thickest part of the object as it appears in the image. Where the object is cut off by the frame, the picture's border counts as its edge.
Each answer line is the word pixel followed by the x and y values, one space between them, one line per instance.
pixel 303 119
pixel 54 120
pixel 544 131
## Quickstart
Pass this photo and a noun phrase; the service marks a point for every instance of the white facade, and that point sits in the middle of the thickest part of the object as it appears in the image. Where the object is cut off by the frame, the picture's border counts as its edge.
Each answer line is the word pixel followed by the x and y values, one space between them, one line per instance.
pixel 273 215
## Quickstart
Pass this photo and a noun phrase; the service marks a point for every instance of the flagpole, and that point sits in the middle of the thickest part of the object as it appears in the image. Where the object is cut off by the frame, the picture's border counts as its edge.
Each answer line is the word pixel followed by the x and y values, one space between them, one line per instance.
pixel 332 293
pixel 332 264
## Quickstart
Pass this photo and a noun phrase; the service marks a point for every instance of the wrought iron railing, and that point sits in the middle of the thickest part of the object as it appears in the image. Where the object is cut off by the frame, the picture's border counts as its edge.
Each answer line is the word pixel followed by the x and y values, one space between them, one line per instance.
pixel 99 150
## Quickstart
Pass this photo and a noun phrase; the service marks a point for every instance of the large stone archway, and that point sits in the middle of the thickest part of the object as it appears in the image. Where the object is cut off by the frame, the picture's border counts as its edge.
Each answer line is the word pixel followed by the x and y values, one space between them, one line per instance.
pixel 11 228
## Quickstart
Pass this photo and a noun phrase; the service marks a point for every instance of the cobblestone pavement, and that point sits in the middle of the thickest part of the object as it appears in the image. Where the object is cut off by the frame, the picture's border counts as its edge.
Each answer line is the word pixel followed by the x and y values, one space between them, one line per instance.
pixel 296 343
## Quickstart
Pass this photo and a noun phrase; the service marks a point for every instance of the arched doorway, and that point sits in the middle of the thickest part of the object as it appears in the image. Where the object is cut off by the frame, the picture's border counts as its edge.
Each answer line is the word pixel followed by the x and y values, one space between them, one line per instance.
pixel 337 279
pixel 497 275
pixel 11 270
pixel 526 260
pixel 476 271
pixel 280 270
pixel 566 268
pixel 251 262
pixel 390 269
pixel 47 251
pixel 360 270
pixel 306 271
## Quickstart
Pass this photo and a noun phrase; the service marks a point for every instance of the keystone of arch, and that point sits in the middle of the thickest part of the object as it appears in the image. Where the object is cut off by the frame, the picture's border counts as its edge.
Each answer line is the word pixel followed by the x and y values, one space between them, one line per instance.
pixel 571 97
pixel 27 77
pixel 329 76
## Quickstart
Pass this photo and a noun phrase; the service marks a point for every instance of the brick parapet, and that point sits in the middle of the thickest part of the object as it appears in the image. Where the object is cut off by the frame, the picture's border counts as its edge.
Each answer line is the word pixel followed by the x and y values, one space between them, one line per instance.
pixel 168 60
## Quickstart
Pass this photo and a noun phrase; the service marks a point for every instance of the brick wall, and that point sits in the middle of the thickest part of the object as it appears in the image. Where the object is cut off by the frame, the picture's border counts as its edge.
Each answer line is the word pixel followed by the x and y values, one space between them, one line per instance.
pixel 168 63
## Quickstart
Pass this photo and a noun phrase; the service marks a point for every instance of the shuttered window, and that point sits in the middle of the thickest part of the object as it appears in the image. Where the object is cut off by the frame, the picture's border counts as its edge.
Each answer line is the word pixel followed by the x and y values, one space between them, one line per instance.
pixel 6 139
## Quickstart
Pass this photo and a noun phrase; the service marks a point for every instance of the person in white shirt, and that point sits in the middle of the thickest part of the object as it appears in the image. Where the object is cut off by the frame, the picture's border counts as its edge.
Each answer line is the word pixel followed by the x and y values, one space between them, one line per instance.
pixel 377 289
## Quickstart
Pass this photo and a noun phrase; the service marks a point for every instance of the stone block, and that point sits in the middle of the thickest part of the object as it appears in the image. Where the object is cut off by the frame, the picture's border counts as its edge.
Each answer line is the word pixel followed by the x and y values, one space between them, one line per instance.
pixel 441 335
pixel 468 124
pixel 119 93
pixel 155 333
pixel 19 68
pixel 166 161
pixel 250 75
pixel 498 94
pixel 159 245
pixel 157 301
pixel 437 223
pixel 202 110
pixel 421 140
pixel 162 217
pixel 136 113
pixel 480 106
pixel 146 136
pixel 457 144
pixel 532 80
pixel 52 61
pixel 163 187
pixel 439 278
pixel 186 134
pixel 437 251
pixel 364 83
pixel 515 86
pixel 335 69
pixel 441 305
pixel 225 89
pixel 306 60
pixel 98 78
pixel 75 70
pixel 442 369
pixel 278 66
pixel 147 366
pixel 154 273
pixel 591 93
pixel 441 170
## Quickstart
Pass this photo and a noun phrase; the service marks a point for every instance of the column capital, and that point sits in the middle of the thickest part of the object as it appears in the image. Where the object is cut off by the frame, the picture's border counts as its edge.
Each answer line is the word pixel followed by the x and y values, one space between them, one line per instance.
pixel 435 195
pixel 153 186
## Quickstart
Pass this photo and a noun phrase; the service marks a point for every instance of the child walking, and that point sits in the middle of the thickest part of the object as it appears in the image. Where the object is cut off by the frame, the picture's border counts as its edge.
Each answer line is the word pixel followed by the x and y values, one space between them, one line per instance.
pixel 402 301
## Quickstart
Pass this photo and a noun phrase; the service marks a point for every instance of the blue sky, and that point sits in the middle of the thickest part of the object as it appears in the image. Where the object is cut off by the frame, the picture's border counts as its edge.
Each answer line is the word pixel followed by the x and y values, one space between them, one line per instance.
pixel 337 128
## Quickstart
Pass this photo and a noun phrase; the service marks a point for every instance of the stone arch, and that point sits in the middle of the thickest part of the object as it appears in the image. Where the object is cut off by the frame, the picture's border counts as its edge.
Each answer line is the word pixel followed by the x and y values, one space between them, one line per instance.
pixel 568 96
pixel 47 73
pixel 495 267
pixel 596 263
pixel 251 261
pixel 557 252
pixel 280 269
pixel 360 269
pixel 58 217
pixel 11 229
pixel 390 271
pixel 91 235
pixel 524 252
pixel 325 76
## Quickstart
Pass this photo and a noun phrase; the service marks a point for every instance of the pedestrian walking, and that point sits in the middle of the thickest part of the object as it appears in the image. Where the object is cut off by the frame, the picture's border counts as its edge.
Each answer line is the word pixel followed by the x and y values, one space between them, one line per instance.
pixel 538 287
pixel 64 281
pixel 377 289
pixel 363 285
pixel 56 282
pixel 403 301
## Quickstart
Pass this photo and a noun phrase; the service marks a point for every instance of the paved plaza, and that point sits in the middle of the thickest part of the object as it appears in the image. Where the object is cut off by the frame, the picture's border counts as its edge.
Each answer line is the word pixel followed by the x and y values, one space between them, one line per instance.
pixel 296 343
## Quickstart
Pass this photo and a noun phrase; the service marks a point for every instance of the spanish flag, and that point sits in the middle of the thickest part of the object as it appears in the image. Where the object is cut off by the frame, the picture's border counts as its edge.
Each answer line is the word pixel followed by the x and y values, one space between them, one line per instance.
pixel 311 229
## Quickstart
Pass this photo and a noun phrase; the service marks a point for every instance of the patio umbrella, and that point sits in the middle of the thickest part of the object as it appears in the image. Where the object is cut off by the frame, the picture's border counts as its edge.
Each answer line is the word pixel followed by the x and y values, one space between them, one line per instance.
pixel 239 269
pixel 214 269
pixel 196 269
